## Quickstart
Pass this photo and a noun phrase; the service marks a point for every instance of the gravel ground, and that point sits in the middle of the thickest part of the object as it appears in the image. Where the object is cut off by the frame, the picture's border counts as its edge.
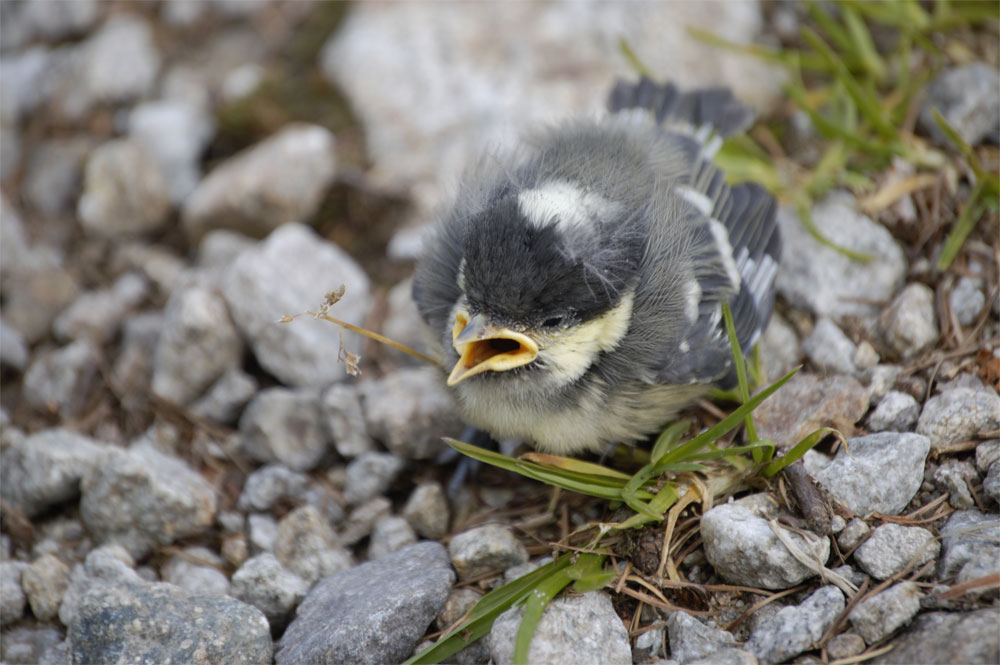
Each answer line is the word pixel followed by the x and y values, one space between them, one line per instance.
pixel 178 176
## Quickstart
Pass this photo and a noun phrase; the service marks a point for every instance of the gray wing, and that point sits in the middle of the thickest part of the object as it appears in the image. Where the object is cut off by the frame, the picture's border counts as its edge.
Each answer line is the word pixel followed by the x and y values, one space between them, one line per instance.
pixel 733 244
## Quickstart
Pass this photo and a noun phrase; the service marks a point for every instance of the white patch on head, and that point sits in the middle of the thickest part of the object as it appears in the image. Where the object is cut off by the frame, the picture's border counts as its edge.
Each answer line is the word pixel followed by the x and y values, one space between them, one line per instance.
pixel 566 204
pixel 699 200
pixel 692 298
pixel 460 277
pixel 721 236
pixel 684 346
pixel 569 353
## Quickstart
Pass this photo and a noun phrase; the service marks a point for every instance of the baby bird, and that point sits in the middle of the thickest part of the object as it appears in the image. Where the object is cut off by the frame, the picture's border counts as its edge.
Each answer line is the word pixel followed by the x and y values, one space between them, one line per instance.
pixel 575 286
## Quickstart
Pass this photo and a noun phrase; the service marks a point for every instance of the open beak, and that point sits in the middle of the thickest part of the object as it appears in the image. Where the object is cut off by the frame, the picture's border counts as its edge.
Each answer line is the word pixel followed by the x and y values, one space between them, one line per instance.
pixel 484 346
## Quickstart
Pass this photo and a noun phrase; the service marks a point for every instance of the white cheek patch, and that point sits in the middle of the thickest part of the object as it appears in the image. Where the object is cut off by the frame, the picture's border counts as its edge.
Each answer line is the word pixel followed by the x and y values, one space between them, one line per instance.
pixel 692 298
pixel 570 353
pixel 571 206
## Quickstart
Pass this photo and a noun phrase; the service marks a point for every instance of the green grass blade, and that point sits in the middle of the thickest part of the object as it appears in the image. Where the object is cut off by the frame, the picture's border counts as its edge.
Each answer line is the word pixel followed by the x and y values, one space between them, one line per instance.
pixel 741 373
pixel 862 43
pixel 633 60
pixel 868 104
pixel 534 606
pixel 971 214
pixel 723 427
pixel 668 439
pixel 796 452
pixel 481 617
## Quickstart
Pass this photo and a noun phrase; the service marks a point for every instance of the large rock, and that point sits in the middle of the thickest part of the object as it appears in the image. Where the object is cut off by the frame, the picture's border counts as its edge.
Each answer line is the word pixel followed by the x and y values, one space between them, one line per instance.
pixel 280 180
pixel 159 623
pixel 879 472
pixel 360 616
pixel 198 344
pixel 46 468
pixel 425 118
pixel 969 100
pixel 141 498
pixel 826 282
pixel 290 273
pixel 124 191
pixel 581 629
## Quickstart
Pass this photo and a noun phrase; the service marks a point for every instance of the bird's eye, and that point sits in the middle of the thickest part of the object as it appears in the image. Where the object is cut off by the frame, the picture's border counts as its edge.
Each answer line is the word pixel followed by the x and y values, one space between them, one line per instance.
pixel 552 321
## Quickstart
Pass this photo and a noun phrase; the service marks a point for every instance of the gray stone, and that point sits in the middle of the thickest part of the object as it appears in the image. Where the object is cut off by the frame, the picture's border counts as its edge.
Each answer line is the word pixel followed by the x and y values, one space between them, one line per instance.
pixel 743 549
pixel 198 344
pixel 53 176
pixel 957 476
pixel 23 74
pixel 947 637
pixel 968 99
pixel 959 414
pixel 878 616
pixel 269 484
pixel 12 598
pixel 124 192
pixel 98 315
pixel 577 629
pixel 44 583
pixel 141 498
pixel 198 571
pixel 852 534
pixel 13 350
pixel 285 426
pixel 360 616
pixel 865 357
pixel 224 401
pixel 987 452
pixel 390 534
pixel 270 587
pixel 174 135
pixel 289 273
pixel 485 549
pixel 424 124
pixel 159 623
pixel 692 640
pixel 967 535
pixel 117 63
pixel 896 412
pixel 345 420
pixel 823 280
pixel 60 380
pixel 808 402
pixel 893 548
pixel 307 545
pixel 46 468
pixel 829 348
pixel 649 646
pixel 427 510
pixel 369 475
pixel 277 181
pixel 263 530
pixel 909 325
pixel 163 268
pixel 409 411
pixel 880 379
pixel 58 20
pixel 32 645
pixel 794 629
pixel 967 300
pixel 991 483
pixel 881 472
pixel 132 372
pixel 109 565
pixel 779 346
pixel 460 601
pixel 363 518
pixel 10 158
pixel 845 645
pixel 728 656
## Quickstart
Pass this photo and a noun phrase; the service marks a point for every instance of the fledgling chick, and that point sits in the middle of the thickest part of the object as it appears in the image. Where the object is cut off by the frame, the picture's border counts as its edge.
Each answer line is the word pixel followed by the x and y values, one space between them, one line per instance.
pixel 575 286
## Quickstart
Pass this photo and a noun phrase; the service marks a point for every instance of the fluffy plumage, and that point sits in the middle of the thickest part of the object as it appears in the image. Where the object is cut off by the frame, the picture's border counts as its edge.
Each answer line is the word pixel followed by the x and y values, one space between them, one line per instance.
pixel 576 285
